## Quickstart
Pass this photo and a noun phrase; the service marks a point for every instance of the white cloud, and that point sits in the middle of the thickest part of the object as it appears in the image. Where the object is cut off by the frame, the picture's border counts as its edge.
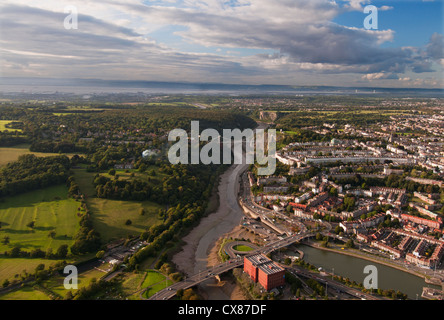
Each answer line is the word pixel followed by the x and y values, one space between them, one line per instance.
pixel 113 41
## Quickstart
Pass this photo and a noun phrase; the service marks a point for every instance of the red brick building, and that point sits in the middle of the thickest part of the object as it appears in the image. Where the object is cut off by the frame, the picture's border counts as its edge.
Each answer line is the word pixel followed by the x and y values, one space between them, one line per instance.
pixel 418 220
pixel 263 270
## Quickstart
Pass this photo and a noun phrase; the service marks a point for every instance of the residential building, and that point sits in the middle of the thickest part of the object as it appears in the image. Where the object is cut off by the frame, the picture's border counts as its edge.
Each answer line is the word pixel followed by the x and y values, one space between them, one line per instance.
pixel 264 270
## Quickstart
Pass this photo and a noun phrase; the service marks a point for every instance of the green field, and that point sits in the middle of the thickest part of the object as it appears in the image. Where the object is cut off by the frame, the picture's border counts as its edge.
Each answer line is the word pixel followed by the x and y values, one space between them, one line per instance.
pixel 84 180
pixel 9 267
pixel 50 208
pixel 3 127
pixel 9 154
pixel 152 277
pixel 109 216
pixel 131 285
pixel 25 293
pixel 55 284
pixel 145 176
pixel 242 248
pixel 154 281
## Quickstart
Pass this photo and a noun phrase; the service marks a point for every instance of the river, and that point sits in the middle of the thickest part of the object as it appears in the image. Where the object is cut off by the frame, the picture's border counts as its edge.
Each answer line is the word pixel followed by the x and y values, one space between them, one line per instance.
pixel 353 268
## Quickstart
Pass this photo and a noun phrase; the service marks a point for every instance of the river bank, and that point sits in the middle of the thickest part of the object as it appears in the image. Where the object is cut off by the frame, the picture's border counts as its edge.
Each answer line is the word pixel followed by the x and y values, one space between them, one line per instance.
pixel 366 257
pixel 196 254
pixel 351 264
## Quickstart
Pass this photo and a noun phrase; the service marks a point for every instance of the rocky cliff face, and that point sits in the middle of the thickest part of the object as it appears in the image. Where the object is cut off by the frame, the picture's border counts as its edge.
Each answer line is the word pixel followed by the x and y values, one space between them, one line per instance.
pixel 268 115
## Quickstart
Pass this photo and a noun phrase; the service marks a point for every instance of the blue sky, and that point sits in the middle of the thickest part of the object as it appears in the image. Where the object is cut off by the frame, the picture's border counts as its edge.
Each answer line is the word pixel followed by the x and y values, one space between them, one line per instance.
pixel 293 42
pixel 414 21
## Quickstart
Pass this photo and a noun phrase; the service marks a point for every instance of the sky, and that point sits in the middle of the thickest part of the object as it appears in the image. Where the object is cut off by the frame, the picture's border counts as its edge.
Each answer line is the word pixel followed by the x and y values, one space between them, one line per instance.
pixel 286 42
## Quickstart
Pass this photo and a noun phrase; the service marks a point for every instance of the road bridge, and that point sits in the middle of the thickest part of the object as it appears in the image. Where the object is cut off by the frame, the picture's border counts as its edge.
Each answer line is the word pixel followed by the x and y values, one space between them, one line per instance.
pixel 235 262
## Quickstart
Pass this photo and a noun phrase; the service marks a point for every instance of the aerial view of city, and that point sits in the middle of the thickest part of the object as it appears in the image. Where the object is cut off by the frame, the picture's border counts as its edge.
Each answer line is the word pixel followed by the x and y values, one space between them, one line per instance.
pixel 222 157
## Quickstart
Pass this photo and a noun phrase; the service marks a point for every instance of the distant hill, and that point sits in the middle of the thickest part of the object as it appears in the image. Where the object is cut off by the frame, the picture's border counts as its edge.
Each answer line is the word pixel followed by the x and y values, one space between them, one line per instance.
pixel 167 87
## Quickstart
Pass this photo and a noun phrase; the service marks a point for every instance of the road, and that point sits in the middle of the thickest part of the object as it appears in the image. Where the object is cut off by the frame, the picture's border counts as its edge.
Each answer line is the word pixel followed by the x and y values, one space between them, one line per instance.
pixel 236 262
pixel 331 284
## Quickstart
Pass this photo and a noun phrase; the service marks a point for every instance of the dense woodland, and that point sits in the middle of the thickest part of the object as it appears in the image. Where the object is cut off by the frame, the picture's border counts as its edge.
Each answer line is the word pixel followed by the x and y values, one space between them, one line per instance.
pixel 30 172
pixel 49 130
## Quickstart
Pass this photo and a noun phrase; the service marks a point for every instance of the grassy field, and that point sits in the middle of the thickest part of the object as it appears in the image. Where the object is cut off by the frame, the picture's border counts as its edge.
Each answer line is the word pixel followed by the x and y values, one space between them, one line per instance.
pixel 145 176
pixel 51 210
pixel 84 180
pixel 3 127
pixel 154 281
pixel 9 154
pixel 152 277
pixel 242 248
pixel 55 284
pixel 109 216
pixel 9 267
pixel 131 285
pixel 25 293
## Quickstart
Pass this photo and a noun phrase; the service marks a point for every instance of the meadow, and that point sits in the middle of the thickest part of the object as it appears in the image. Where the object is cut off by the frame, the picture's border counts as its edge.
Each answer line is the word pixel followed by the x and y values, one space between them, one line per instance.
pixel 154 282
pixel 50 208
pixel 110 216
pixel 3 127
pixel 52 287
pixel 10 267
pixel 10 154
pixel 55 284
pixel 25 293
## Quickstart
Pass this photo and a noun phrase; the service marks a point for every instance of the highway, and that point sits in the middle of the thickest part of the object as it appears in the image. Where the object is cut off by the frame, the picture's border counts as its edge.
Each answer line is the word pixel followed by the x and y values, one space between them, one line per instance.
pixel 332 284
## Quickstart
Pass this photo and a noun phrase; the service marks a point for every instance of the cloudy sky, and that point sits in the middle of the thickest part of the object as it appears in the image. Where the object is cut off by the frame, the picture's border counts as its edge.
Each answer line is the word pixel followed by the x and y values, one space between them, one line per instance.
pixel 294 42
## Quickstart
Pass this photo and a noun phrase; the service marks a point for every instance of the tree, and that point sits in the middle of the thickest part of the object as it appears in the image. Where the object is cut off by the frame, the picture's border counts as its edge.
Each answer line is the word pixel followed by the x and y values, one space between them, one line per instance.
pixel 40 267
pixel 350 244
pixel 69 295
pixel 112 172
pixel 5 240
pixel 142 167
pixel 5 283
pixel 333 192
pixel 100 254
pixel 62 251
pixel 338 229
pixel 15 252
pixel 48 254
pixel 51 234
pixel 31 224
pixel 179 293
pixel 128 222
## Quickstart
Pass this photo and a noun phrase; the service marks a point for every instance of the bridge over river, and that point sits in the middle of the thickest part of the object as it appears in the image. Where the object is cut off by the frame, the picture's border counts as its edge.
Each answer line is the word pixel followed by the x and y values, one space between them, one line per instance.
pixel 234 262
